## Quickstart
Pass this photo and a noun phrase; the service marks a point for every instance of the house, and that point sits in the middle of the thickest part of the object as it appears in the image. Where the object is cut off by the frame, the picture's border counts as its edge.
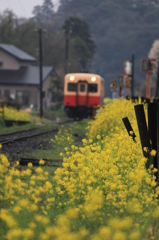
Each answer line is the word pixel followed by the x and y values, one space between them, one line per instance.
pixel 19 78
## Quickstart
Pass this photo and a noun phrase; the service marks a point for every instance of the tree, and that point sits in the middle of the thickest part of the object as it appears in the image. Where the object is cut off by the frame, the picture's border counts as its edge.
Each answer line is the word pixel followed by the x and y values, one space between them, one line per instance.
pixel 48 9
pixel 28 39
pixel 8 27
pixel 56 90
pixel 43 14
pixel 18 32
pixel 78 30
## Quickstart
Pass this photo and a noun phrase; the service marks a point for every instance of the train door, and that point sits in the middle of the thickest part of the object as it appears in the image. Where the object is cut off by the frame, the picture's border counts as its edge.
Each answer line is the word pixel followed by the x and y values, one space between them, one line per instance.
pixel 82 94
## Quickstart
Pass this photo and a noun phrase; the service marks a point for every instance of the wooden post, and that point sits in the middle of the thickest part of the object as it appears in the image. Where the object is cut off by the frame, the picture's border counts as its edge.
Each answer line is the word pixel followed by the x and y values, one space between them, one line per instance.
pixel 152 127
pixel 157 156
pixel 157 81
pixel 148 85
pixel 132 76
pixel 129 128
pixel 143 131
pixel 41 72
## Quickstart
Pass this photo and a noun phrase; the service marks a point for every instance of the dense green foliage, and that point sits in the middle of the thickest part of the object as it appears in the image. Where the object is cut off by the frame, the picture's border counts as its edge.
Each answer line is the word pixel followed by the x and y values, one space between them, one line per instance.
pixel 118 29
pixel 84 46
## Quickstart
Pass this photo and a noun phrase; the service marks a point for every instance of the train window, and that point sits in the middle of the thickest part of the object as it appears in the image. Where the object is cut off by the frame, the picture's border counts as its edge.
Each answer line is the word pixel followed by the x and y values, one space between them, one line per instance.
pixel 82 87
pixel 72 87
pixel 93 88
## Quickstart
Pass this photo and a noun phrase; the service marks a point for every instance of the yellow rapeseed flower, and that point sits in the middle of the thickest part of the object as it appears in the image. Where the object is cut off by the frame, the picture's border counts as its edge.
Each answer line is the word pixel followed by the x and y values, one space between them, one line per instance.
pixel 30 165
pixel 153 152
pixel 24 202
pixel 119 236
pixel 41 162
pixel 134 235
pixel 16 209
pixel 10 221
pixel 39 170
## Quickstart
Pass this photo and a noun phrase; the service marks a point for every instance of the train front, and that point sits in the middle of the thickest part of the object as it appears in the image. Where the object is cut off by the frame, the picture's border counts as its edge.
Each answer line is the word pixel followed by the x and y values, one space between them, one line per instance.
pixel 82 92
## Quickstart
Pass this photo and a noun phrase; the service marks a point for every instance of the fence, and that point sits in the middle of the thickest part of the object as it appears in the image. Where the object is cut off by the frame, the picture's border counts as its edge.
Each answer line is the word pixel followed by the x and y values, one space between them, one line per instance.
pixel 149 135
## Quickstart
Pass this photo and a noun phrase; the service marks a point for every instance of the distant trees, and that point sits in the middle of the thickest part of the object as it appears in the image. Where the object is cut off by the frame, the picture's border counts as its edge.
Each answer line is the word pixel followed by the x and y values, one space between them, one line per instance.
pixel 117 28
pixel 18 32
pixel 78 32
pixel 21 33
pixel 8 27
pixel 56 90
pixel 43 14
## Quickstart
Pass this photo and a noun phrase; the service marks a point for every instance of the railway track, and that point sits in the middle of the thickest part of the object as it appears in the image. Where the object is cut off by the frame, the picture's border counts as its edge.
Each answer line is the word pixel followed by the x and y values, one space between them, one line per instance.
pixel 26 134
pixel 47 162
pixel 16 143
pixel 14 138
pixel 13 135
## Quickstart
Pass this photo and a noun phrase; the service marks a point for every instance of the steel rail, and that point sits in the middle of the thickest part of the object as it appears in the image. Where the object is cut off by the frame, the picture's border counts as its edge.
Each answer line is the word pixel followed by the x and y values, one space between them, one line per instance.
pixel 20 131
pixel 36 162
pixel 5 142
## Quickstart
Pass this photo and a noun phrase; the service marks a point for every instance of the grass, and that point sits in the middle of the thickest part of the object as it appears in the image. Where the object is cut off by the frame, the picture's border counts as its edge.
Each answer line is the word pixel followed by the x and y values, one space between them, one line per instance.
pixel 25 127
pixel 59 113
pixel 16 128
pixel 53 114
pixel 56 146
pixel 35 122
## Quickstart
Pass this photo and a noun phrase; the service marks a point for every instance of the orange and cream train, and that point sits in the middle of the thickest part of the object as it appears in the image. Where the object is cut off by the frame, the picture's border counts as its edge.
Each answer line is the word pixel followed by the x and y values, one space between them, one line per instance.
pixel 82 93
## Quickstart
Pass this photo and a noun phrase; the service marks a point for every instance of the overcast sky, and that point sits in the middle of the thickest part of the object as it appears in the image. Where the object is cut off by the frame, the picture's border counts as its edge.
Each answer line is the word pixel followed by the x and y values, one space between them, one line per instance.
pixel 23 8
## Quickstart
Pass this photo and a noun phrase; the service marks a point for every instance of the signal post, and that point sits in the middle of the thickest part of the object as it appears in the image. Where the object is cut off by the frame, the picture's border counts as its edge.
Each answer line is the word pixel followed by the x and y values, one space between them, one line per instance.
pixel 121 79
pixel 128 76
pixel 113 88
pixel 147 65
pixel 126 79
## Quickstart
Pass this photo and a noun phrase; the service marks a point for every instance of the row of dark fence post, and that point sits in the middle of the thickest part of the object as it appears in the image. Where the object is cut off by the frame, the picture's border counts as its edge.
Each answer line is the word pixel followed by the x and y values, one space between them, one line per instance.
pixel 149 135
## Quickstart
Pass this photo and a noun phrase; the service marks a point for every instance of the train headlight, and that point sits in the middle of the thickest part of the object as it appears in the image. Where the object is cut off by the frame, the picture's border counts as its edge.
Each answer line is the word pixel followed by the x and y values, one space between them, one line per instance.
pixel 72 78
pixel 93 79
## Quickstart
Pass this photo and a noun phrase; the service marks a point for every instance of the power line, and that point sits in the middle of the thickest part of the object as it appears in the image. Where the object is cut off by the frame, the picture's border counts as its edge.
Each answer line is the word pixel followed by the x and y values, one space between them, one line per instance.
pixel 9 4
pixel 22 7
pixel 18 4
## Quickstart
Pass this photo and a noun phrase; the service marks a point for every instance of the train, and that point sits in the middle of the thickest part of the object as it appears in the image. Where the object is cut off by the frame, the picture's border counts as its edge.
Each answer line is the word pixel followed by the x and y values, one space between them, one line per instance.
pixel 83 92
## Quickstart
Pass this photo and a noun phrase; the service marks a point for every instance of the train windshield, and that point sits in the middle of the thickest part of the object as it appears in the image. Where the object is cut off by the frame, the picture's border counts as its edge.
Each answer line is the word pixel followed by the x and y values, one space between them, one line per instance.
pixel 72 87
pixel 82 87
pixel 92 88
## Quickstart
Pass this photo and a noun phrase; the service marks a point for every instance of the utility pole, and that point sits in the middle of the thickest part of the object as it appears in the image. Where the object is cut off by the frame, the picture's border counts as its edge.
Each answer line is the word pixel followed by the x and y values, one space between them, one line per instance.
pixel 157 82
pixel 121 83
pixel 66 52
pixel 132 76
pixel 41 72
pixel 147 65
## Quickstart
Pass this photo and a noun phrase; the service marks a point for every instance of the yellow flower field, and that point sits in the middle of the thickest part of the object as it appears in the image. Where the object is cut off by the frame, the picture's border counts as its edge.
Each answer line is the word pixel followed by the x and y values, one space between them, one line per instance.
pixel 103 190
pixel 14 114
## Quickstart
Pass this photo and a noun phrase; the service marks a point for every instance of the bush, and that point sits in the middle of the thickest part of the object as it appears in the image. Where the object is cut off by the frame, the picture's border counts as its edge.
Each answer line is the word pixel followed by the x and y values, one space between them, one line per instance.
pixel 12 103
pixel 57 106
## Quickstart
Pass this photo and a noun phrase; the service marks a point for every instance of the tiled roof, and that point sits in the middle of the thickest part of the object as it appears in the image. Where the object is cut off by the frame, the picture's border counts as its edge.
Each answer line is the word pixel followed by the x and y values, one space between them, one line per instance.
pixel 23 76
pixel 16 52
